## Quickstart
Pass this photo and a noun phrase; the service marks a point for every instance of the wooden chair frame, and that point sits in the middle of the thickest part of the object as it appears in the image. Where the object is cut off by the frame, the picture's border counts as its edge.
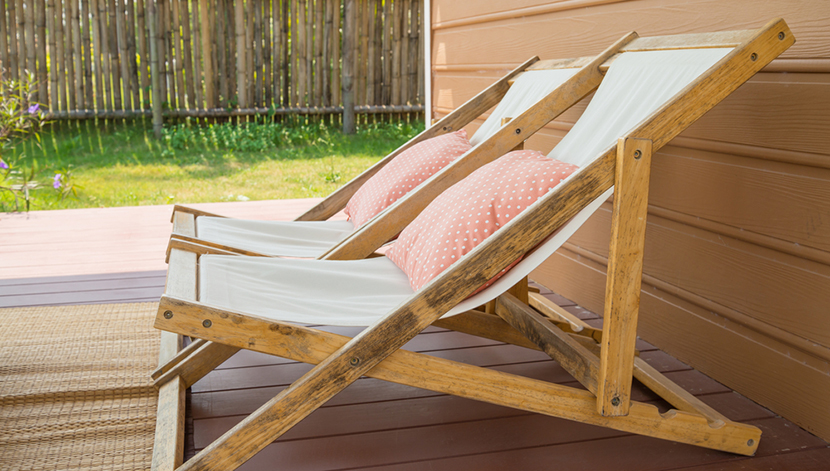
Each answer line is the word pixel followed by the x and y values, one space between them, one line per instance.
pixel 376 352
pixel 391 221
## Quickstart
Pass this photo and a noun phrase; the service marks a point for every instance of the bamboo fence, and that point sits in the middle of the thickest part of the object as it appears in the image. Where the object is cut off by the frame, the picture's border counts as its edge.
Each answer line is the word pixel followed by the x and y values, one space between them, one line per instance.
pixel 214 58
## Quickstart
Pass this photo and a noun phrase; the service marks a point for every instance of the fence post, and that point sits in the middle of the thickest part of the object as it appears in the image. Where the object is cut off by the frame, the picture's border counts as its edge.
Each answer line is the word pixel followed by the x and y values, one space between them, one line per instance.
pixel 348 67
pixel 154 68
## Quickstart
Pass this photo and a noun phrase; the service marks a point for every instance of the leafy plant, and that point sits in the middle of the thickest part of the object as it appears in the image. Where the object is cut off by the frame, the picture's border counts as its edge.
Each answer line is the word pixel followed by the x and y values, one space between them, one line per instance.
pixel 21 119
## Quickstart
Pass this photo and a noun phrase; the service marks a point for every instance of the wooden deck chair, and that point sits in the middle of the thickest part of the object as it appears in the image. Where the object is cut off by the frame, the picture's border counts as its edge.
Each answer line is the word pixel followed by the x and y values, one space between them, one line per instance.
pixel 652 106
pixel 537 91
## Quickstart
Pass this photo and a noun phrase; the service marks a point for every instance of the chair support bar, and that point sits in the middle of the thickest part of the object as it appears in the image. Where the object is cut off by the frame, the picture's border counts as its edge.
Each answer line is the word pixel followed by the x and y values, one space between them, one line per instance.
pixel 423 371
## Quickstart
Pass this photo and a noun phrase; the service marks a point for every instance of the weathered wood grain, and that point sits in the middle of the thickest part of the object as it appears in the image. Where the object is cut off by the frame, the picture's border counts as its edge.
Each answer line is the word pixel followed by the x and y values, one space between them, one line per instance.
pixel 625 269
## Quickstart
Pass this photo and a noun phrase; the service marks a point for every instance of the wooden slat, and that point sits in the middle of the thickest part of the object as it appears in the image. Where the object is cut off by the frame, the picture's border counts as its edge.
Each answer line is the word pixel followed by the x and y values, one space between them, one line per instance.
pixel 563 319
pixel 268 79
pixel 28 37
pixel 5 36
pixel 50 25
pixel 221 54
pixel 309 52
pixel 335 58
pixel 372 53
pixel 115 56
pixel 168 449
pixel 254 30
pixel 103 49
pixel 144 53
pixel 77 53
pixel 20 29
pixel 415 57
pixel 331 205
pixel 328 33
pixel 123 53
pixel 86 44
pixel 178 49
pixel 625 268
pixel 187 56
pixel 241 62
pixel 319 45
pixel 572 356
pixel 198 98
pixel 675 395
pixel 97 54
pixel 132 65
pixel 397 26
pixel 386 89
pixel 690 41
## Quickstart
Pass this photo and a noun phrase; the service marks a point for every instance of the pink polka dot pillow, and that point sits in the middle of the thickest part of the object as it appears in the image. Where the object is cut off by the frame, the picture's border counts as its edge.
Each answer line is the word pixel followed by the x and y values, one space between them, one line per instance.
pixel 405 172
pixel 473 209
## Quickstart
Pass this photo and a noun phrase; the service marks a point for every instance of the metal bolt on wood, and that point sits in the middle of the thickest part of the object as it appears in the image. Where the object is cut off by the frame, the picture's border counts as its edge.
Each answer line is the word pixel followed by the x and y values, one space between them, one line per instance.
pixel 753 57
pixel 168 314
pixel 354 361
pixel 207 323
pixel 637 154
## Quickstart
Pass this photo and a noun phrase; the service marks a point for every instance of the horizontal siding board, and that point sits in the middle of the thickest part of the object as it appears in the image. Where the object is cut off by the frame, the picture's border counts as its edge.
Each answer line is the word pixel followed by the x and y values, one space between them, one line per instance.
pixel 745 193
pixel 452 11
pixel 783 115
pixel 738 275
pixel 586 31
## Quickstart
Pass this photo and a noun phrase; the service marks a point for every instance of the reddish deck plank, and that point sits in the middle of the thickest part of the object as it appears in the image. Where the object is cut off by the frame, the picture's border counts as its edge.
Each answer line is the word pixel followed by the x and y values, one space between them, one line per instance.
pixel 107 240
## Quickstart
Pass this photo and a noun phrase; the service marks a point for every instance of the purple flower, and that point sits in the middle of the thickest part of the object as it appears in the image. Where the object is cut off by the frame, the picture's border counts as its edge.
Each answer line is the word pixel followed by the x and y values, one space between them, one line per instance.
pixel 34 108
pixel 4 165
pixel 56 183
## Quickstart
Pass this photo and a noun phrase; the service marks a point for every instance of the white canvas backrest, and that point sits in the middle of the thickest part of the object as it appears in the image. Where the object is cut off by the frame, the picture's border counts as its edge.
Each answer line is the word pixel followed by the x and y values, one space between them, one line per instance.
pixel 636 85
pixel 527 90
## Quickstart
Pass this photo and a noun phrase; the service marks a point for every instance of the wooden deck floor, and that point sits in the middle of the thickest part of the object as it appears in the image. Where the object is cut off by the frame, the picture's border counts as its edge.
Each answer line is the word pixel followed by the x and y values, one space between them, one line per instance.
pixel 116 255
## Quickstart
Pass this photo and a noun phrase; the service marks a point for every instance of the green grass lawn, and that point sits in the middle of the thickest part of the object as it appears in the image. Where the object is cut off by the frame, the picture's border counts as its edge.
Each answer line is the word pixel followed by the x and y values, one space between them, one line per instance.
pixel 123 165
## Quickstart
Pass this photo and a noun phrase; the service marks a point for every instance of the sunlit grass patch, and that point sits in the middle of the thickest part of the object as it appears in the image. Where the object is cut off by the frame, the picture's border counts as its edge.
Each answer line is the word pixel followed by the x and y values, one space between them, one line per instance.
pixel 123 165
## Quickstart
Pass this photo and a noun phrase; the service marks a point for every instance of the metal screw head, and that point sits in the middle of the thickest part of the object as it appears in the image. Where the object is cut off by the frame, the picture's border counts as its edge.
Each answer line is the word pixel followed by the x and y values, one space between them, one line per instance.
pixel 751 442
pixel 781 36
pixel 615 401
pixel 354 361
pixel 637 154
pixel 753 57
pixel 207 323
pixel 168 314
pixel 518 131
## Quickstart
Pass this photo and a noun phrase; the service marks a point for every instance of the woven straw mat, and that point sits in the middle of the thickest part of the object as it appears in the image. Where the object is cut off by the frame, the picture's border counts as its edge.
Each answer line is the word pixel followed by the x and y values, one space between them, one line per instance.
pixel 75 390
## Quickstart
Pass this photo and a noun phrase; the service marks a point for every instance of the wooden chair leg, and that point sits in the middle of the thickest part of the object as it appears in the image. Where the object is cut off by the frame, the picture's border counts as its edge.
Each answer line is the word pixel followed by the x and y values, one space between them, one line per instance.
pixel 625 270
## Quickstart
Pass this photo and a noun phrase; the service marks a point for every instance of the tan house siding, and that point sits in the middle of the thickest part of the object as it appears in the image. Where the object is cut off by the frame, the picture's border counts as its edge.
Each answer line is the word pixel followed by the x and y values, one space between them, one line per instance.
pixel 737 270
